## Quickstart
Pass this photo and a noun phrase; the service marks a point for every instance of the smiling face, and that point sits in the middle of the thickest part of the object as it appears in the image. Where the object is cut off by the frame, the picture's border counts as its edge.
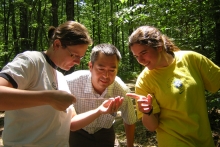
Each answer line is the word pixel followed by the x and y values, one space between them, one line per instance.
pixel 148 56
pixel 104 71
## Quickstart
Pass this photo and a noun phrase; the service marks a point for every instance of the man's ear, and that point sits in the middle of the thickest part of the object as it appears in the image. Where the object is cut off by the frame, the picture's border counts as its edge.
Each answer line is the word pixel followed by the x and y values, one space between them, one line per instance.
pixel 90 65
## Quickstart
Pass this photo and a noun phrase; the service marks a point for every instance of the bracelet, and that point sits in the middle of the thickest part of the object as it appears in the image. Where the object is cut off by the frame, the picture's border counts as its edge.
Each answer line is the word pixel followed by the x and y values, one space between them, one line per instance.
pixel 149 113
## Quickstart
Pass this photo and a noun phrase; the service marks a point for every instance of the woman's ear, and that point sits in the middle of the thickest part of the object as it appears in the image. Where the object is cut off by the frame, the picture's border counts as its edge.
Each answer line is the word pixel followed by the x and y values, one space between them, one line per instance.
pixel 56 44
pixel 160 48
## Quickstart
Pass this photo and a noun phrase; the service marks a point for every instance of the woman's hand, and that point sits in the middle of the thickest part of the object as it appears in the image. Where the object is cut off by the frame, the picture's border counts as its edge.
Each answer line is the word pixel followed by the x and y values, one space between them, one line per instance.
pixel 61 100
pixel 150 121
pixel 144 103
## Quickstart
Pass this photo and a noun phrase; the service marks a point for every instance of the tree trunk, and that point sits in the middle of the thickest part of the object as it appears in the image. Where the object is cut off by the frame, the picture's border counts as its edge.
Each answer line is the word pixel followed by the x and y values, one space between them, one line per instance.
pixel 94 22
pixel 131 57
pixel 112 21
pixel 5 32
pixel 99 28
pixel 36 31
pixel 78 11
pixel 24 44
pixel 217 31
pixel 14 30
pixel 123 38
pixel 54 12
pixel 70 9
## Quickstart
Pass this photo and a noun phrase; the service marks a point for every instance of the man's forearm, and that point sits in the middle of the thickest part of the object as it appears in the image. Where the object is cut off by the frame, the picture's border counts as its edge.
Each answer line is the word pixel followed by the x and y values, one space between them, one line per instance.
pixel 81 120
pixel 130 129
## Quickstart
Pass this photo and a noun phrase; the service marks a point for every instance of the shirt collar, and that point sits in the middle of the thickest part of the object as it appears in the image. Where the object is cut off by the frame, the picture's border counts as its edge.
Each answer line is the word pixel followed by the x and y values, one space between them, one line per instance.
pixel 49 61
pixel 89 88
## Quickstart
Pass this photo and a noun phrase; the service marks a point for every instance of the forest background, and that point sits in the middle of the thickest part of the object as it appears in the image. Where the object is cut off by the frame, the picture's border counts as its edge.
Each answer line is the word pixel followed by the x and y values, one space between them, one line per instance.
pixel 192 24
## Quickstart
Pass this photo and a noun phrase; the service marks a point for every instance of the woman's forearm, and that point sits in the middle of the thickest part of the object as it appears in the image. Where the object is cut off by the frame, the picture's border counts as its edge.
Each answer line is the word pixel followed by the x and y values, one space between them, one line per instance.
pixel 150 121
pixel 12 99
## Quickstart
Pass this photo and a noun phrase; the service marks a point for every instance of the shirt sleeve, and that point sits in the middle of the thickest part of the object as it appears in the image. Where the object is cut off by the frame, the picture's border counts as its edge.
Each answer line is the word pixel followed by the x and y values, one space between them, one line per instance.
pixel 142 89
pixel 210 73
pixel 21 70
pixel 127 108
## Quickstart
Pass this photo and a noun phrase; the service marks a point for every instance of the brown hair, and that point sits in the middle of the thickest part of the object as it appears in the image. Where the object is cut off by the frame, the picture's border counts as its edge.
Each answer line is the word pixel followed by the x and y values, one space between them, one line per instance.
pixel 151 36
pixel 70 33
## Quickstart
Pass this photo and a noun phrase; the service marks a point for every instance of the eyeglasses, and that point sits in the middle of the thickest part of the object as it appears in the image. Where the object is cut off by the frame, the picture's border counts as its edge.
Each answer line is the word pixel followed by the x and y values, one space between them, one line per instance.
pixel 74 56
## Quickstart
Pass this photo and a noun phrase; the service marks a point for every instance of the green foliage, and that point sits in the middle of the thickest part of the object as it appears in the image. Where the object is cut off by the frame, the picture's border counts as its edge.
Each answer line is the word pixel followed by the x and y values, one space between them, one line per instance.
pixel 123 1
pixel 127 75
pixel 213 100
pixel 191 24
pixel 213 105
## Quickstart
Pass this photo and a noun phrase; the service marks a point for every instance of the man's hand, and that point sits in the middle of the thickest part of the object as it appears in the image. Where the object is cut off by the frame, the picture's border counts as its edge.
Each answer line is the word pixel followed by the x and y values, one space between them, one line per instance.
pixel 111 105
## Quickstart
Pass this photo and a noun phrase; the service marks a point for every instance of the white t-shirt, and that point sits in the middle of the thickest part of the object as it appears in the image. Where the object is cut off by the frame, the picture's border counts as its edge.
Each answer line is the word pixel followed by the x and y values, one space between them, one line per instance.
pixel 40 126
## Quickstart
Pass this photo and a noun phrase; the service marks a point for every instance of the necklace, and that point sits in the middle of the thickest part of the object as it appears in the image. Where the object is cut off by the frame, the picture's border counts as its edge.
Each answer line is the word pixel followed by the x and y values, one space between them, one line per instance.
pixel 54 83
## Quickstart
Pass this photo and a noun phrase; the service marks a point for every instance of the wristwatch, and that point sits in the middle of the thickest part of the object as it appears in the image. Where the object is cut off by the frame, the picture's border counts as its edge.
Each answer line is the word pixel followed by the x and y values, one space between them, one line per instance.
pixel 149 113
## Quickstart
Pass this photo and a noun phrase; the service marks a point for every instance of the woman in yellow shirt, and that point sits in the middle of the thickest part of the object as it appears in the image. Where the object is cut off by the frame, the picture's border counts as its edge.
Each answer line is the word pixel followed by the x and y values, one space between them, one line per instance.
pixel 170 91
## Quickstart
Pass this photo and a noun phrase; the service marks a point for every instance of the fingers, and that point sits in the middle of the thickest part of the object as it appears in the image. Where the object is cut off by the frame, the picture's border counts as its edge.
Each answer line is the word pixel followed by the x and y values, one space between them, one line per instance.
pixel 145 105
pixel 116 103
pixel 106 106
pixel 135 96
pixel 107 103
pixel 149 98
pixel 111 105
pixel 61 100
pixel 144 99
pixel 140 97
pixel 73 99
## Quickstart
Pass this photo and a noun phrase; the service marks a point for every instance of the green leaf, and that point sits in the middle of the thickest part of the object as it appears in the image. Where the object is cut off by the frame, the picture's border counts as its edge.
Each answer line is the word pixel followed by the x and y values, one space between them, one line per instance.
pixel 123 1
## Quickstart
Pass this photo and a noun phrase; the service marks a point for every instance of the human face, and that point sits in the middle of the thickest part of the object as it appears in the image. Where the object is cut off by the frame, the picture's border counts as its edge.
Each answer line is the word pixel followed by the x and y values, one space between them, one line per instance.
pixel 70 56
pixel 103 71
pixel 147 56
pixel 74 56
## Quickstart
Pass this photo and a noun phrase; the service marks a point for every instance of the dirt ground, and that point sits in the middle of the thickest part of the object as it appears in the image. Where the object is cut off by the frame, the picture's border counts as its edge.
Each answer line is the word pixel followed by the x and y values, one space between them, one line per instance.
pixel 144 138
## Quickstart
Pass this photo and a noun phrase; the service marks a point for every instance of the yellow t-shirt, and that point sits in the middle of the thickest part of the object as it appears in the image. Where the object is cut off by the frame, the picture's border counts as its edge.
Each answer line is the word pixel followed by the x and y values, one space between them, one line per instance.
pixel 179 97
